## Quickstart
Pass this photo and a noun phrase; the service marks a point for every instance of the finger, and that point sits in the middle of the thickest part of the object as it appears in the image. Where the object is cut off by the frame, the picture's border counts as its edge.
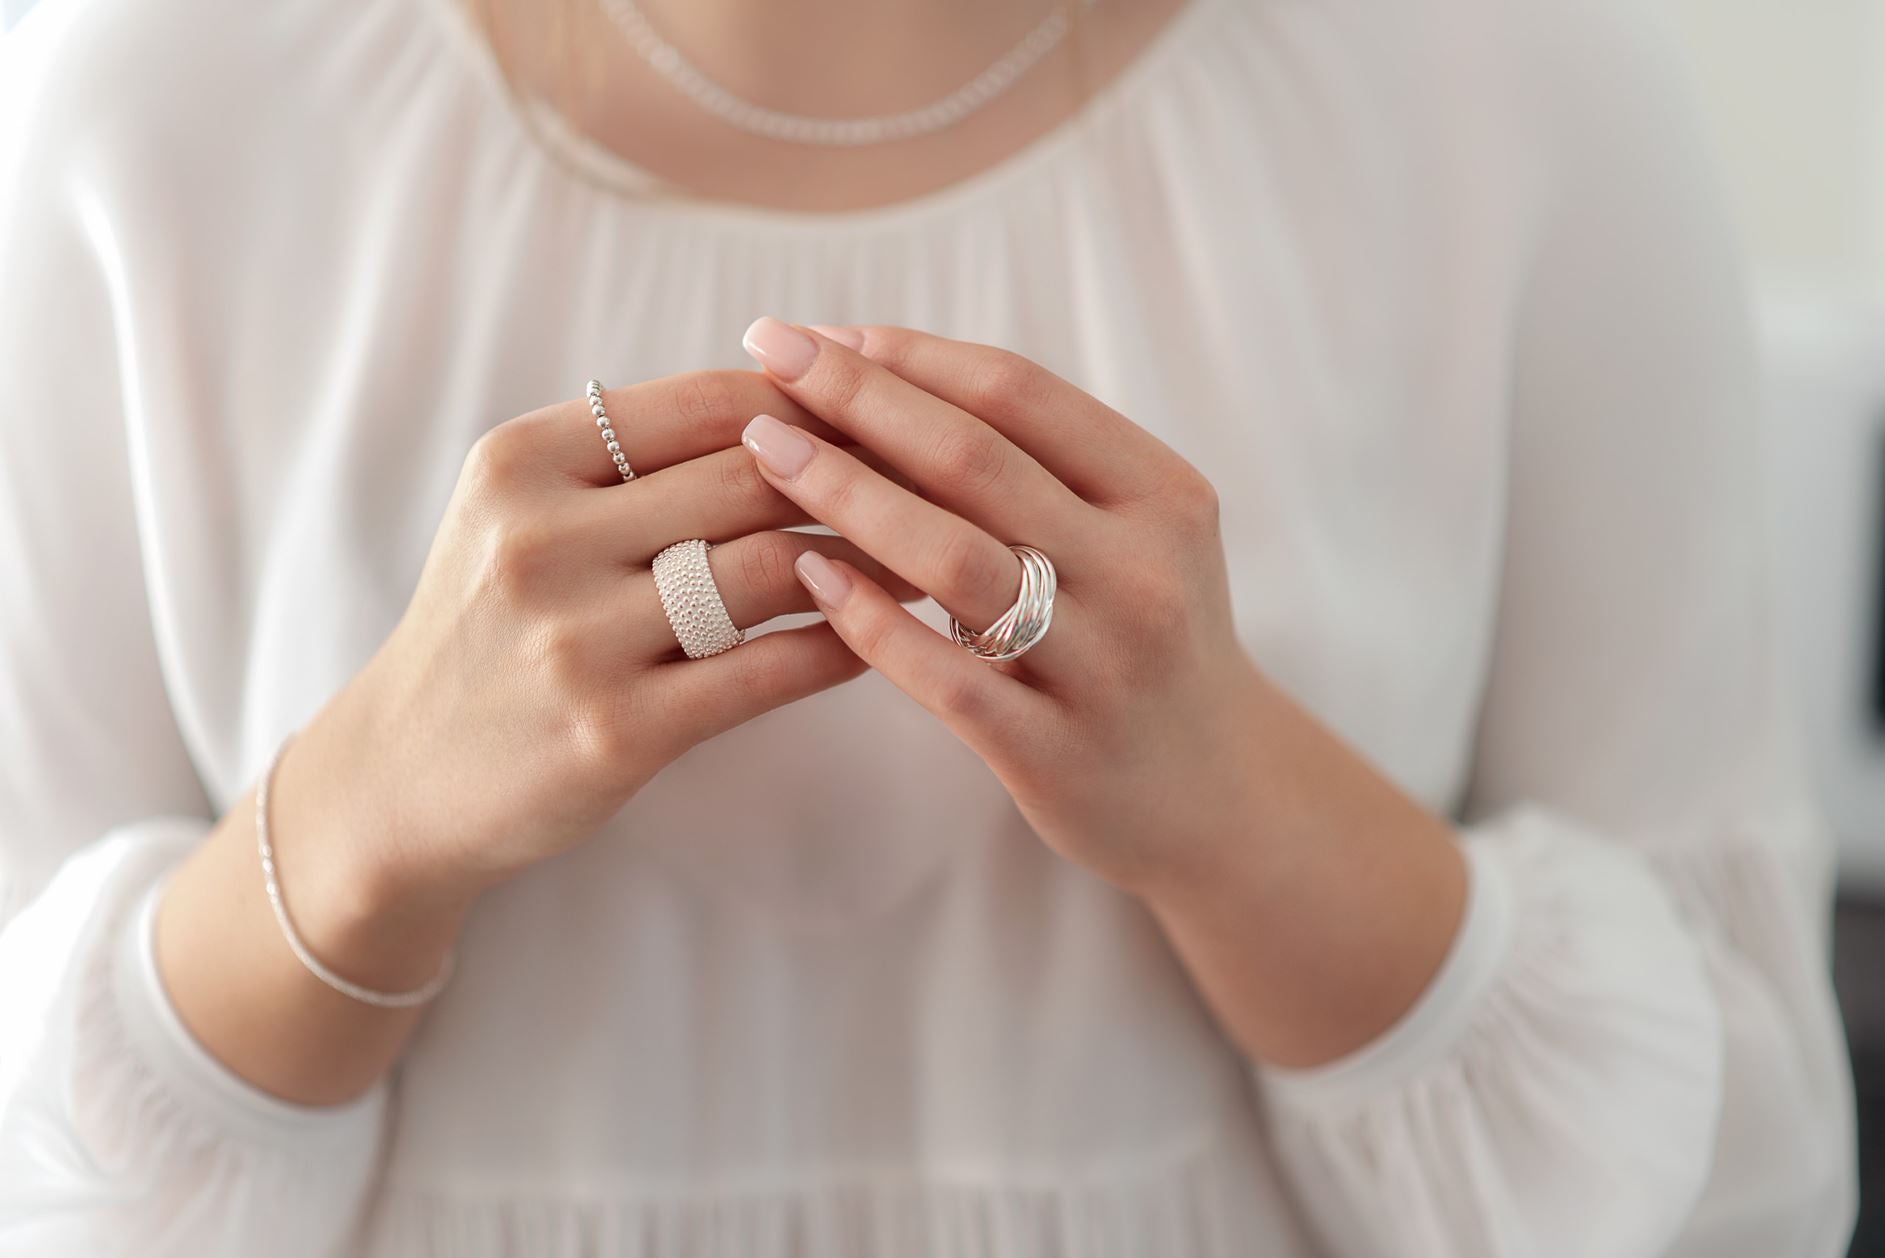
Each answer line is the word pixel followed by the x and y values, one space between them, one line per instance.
pixel 950 454
pixel 658 423
pixel 980 704
pixel 692 700
pixel 718 497
pixel 756 581
pixel 962 567
pixel 1090 446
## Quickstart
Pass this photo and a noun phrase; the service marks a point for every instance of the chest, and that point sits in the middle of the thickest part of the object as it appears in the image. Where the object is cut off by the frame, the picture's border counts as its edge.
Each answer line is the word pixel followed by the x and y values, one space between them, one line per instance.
pixel 1333 359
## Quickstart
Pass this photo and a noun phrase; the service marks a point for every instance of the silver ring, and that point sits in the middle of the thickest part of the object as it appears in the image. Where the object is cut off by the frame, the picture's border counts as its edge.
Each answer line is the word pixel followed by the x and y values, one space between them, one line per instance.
pixel 608 431
pixel 692 601
pixel 1017 630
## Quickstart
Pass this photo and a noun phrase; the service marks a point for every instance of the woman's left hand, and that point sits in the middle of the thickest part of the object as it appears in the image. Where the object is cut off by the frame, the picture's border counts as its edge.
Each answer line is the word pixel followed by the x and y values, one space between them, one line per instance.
pixel 1310 898
pixel 1126 734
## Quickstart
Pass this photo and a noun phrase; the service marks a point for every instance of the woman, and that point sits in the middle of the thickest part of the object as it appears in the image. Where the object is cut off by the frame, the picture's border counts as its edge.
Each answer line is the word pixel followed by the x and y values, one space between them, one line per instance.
pixel 1382 840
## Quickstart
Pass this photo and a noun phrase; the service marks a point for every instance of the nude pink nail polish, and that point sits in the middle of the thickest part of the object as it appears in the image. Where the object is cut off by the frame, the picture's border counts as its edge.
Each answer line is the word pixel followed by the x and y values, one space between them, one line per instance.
pixel 780 348
pixel 850 338
pixel 823 578
pixel 783 449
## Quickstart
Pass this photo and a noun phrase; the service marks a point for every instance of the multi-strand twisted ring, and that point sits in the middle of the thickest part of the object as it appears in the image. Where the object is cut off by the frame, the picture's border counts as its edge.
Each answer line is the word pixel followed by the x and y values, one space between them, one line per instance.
pixel 1016 630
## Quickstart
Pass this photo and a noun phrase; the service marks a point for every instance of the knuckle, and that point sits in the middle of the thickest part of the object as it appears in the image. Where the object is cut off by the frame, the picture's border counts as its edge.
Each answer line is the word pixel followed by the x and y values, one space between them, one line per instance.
pixel 888 346
pixel 765 562
pixel 598 727
pixel 837 495
pixel 739 482
pixel 1198 501
pixel 705 399
pixel 975 461
pixel 762 672
pixel 518 556
pixel 845 382
pixel 567 659
pixel 961 696
pixel 869 632
pixel 1005 382
pixel 497 458
pixel 1189 499
pixel 965 568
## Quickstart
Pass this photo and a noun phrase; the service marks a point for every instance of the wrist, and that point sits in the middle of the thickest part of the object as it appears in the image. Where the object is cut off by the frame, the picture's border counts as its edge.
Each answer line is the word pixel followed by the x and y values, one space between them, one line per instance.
pixel 354 886
pixel 1215 819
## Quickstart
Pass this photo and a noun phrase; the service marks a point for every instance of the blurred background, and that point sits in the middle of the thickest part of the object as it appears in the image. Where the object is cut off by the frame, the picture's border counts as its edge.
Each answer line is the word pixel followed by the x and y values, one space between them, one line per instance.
pixel 1795 95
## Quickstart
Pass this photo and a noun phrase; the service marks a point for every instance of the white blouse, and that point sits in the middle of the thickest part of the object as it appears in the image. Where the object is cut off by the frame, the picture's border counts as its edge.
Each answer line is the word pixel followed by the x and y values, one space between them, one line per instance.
pixel 1437 292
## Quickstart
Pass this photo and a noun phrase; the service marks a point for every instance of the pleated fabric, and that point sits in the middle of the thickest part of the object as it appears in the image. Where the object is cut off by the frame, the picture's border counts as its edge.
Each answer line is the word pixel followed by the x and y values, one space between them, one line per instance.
pixel 1439 295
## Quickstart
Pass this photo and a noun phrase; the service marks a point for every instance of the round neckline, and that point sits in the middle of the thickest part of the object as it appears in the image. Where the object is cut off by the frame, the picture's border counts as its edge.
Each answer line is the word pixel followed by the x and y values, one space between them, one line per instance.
pixel 555 140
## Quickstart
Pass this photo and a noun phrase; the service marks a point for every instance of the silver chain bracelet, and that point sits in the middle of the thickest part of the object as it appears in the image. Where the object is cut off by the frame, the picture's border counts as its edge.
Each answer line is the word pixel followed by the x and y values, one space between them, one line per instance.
pixel 366 995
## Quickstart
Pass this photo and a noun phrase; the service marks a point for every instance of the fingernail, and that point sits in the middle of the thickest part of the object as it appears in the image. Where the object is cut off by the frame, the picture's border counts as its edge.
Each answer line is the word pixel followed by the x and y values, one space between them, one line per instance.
pixel 780 348
pixel 822 577
pixel 782 448
pixel 850 338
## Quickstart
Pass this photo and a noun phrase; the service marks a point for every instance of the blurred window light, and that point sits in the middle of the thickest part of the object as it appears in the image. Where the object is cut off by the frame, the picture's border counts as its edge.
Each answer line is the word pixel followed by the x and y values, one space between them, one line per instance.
pixel 1795 98
pixel 1795 94
pixel 11 11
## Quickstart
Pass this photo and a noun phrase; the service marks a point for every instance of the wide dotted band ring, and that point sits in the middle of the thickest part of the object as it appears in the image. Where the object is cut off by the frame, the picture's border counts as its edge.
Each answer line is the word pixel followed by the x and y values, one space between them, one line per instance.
pixel 608 430
pixel 692 601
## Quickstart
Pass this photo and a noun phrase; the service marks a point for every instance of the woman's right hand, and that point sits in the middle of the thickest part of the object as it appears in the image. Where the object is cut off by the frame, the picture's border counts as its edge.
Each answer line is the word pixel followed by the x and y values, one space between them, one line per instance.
pixel 534 683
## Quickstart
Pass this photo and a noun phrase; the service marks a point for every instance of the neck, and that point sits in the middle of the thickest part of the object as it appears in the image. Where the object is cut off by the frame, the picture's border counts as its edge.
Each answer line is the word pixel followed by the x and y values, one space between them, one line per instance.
pixel 835 59
pixel 843 58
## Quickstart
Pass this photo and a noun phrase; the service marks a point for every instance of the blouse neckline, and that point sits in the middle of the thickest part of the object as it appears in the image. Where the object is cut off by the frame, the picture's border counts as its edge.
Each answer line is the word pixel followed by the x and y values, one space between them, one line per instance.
pixel 548 134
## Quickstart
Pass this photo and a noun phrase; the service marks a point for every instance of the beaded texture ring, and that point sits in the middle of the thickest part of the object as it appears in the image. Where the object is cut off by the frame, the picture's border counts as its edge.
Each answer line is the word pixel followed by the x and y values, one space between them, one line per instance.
pixel 608 431
pixel 684 580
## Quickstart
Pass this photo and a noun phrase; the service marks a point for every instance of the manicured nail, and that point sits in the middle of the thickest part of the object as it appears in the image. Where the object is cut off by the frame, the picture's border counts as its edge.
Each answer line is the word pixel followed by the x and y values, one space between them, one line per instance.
pixel 822 577
pixel 850 338
pixel 780 348
pixel 782 448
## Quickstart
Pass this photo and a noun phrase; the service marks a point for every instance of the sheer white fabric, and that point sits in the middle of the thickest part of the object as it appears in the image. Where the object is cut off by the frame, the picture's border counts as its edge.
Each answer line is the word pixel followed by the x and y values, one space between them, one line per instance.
pixel 1439 295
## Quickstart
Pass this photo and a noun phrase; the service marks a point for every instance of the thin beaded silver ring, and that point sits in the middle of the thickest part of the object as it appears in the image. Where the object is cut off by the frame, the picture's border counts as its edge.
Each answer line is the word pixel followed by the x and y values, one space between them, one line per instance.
pixel 608 431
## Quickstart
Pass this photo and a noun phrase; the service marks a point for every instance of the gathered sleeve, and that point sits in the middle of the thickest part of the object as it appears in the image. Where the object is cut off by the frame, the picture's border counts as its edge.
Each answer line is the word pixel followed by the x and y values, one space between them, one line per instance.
pixel 1632 1048
pixel 119 1133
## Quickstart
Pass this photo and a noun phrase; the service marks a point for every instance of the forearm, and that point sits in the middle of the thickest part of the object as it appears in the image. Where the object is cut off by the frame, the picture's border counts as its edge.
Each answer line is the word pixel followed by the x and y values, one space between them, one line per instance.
pixel 1311 899
pixel 228 968
pixel 494 728
pixel 1326 906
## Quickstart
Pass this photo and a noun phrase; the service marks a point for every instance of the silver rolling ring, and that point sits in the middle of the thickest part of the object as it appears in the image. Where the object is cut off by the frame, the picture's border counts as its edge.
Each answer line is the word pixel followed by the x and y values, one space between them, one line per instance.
pixel 692 601
pixel 1017 630
pixel 608 431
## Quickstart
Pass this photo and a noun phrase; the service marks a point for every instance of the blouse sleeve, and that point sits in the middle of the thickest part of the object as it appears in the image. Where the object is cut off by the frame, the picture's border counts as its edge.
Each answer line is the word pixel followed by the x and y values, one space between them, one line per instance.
pixel 1632 1048
pixel 119 1133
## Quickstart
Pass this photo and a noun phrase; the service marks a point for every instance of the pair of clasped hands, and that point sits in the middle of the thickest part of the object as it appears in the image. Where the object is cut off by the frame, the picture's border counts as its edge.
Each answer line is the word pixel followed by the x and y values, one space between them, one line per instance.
pixel 536 650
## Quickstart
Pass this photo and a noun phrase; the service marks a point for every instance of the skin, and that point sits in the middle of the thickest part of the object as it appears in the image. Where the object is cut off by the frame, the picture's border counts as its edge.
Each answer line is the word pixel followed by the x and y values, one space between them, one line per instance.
pixel 533 685
pixel 1311 899
pixel 531 688
pixel 828 58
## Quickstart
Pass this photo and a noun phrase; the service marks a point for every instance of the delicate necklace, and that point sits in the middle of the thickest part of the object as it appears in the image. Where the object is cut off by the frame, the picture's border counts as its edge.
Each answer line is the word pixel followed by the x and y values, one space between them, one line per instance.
pixel 666 60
